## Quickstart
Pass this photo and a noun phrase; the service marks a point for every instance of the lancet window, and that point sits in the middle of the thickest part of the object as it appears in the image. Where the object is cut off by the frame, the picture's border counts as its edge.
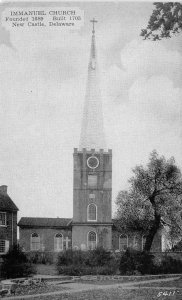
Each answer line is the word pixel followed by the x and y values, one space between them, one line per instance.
pixel 92 212
pixel 35 242
pixel 92 240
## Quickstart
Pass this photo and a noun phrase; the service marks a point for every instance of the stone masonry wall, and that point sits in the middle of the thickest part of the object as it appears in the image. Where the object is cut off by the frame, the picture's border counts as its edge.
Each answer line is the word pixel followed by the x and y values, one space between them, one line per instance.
pixel 46 237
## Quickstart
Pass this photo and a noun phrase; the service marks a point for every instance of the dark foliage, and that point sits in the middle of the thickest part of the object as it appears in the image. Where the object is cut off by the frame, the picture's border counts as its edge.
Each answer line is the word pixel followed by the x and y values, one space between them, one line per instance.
pixel 165 21
pixel 170 265
pixel 16 264
pixel 101 262
pixel 154 198
pixel 40 257
pixel 98 261
pixel 136 262
pixel 178 246
pixel 99 257
pixel 70 257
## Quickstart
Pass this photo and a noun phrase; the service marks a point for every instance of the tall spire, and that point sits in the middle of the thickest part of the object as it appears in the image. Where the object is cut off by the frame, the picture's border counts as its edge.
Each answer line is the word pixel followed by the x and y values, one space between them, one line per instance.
pixel 92 132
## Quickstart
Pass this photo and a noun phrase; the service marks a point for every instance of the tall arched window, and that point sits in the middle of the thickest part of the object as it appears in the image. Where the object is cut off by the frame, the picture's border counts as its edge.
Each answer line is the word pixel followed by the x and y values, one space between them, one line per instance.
pixel 35 242
pixel 92 240
pixel 143 241
pixel 92 212
pixel 123 242
pixel 58 242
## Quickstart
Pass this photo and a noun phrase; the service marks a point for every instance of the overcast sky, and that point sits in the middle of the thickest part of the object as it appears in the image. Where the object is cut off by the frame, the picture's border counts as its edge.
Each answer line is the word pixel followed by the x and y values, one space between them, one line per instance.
pixel 43 79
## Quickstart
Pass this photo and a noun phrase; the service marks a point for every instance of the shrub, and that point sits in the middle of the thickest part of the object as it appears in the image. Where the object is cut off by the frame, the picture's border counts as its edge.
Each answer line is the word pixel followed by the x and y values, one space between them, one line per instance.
pixel 16 264
pixel 178 246
pixel 76 270
pixel 127 264
pixel 71 257
pixel 98 261
pixel 98 257
pixel 170 265
pixel 73 270
pixel 137 262
pixel 40 257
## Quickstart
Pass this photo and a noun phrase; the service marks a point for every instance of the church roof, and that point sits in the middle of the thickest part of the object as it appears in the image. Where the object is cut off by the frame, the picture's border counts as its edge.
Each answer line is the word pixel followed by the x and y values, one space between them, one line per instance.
pixel 6 204
pixel 44 222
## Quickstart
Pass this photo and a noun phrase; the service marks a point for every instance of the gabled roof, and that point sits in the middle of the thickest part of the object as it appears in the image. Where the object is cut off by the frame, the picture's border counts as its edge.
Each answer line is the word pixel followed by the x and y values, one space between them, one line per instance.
pixel 6 204
pixel 44 222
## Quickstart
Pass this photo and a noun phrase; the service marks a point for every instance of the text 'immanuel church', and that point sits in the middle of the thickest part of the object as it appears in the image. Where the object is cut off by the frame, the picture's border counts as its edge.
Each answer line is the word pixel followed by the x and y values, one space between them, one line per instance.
pixel 92 224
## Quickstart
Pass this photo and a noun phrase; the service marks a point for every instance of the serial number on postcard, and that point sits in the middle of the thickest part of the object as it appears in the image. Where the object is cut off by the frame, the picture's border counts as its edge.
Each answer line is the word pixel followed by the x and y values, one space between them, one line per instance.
pixel 168 293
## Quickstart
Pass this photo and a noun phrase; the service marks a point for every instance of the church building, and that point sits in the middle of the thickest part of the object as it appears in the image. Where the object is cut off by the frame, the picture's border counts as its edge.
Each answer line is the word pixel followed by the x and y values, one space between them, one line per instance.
pixel 92 225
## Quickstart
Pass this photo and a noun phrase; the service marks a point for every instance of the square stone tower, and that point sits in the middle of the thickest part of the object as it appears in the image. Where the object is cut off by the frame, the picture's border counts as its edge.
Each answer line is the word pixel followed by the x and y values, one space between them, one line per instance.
pixel 92 190
pixel 92 187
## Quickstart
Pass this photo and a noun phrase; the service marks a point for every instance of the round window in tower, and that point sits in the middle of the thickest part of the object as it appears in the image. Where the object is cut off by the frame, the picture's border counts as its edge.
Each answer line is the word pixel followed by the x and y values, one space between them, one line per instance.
pixel 92 162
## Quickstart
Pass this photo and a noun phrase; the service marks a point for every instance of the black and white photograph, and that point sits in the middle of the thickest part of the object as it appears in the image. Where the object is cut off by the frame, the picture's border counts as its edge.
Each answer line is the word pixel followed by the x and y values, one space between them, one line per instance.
pixel 91 150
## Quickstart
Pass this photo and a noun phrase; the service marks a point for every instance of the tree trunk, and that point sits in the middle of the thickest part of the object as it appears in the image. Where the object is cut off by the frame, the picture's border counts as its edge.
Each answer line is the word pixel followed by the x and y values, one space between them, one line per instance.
pixel 153 230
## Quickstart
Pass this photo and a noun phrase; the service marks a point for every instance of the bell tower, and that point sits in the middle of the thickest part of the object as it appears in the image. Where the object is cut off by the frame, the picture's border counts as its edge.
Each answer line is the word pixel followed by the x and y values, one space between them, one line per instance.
pixel 92 186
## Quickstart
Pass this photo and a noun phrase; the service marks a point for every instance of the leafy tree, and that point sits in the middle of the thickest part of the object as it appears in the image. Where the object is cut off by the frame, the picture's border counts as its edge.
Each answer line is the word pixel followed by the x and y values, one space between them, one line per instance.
pixel 166 20
pixel 154 198
pixel 16 264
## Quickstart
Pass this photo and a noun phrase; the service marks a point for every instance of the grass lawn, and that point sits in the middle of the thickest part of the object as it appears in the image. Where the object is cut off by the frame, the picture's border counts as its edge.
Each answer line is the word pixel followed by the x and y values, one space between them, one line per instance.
pixel 148 291
pixel 172 284
pixel 113 294
pixel 31 290
pixel 124 280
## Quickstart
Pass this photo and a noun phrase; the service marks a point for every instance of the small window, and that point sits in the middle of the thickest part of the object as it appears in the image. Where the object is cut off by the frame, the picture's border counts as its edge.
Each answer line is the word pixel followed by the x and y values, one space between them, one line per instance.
pixel 143 242
pixel 92 240
pixel 2 219
pixel 123 242
pixel 58 242
pixel 35 242
pixel 92 212
pixel 4 246
pixel 92 181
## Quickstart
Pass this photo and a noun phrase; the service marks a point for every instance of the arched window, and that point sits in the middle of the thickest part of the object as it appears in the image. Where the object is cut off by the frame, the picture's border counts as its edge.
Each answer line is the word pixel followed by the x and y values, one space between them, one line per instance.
pixel 35 242
pixel 92 212
pixel 123 242
pixel 92 240
pixel 143 241
pixel 58 242
pixel 137 242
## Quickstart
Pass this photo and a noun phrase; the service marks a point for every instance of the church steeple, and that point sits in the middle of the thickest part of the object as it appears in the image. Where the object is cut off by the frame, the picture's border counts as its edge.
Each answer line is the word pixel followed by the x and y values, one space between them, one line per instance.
pixel 92 132
pixel 92 170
